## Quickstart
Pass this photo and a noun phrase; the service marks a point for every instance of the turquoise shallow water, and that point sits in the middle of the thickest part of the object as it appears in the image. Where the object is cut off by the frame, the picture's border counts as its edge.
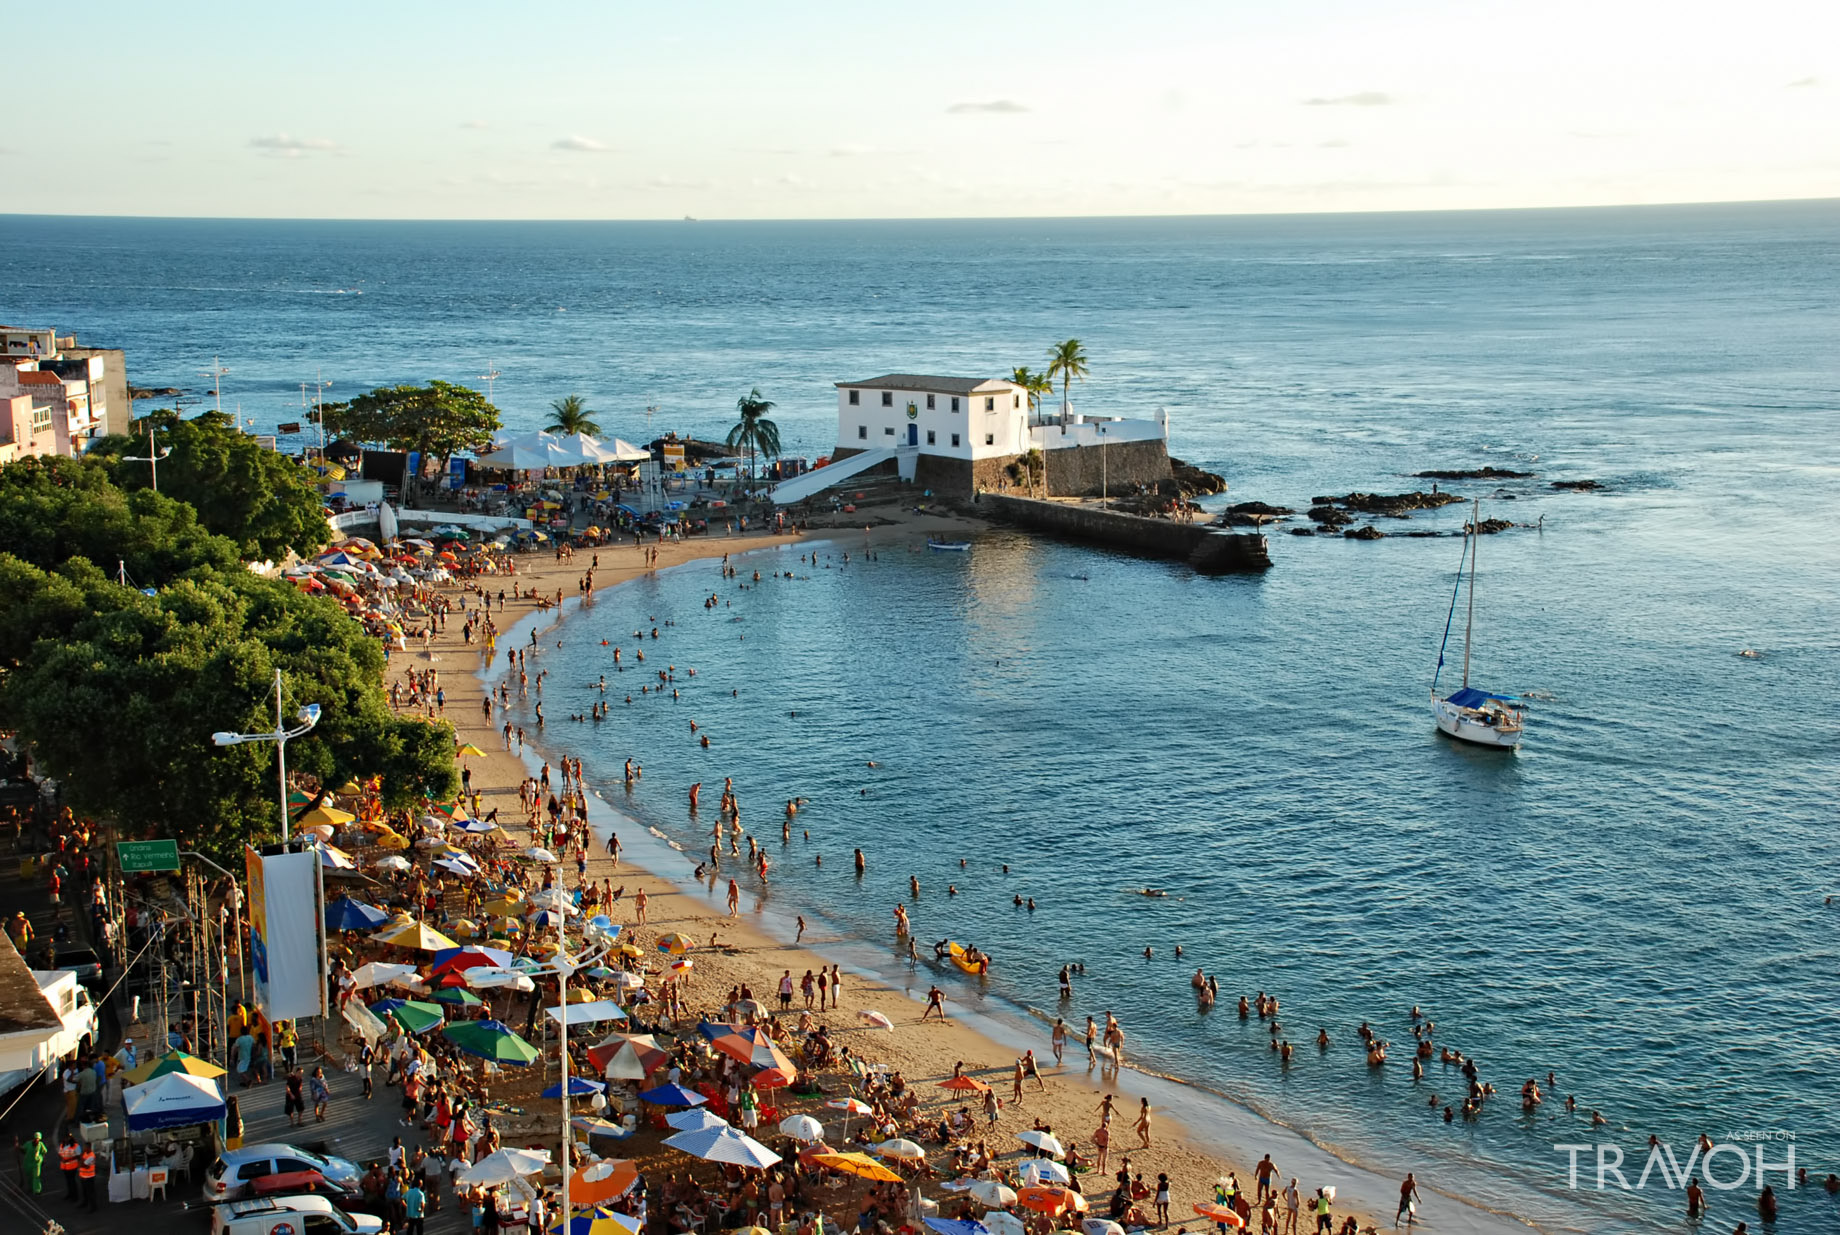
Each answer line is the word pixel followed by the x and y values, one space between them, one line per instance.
pixel 1634 900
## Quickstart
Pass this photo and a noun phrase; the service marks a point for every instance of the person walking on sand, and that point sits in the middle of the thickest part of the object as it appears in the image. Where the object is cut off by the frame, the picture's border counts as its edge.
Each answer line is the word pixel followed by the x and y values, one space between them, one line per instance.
pixel 639 902
pixel 1143 1123
pixel 1092 1034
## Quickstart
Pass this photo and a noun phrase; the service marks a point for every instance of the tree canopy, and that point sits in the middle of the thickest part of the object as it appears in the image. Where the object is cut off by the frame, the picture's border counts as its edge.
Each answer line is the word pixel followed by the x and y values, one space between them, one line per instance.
pixel 118 691
pixel 571 416
pixel 261 500
pixel 439 419
pixel 754 432
pixel 1067 361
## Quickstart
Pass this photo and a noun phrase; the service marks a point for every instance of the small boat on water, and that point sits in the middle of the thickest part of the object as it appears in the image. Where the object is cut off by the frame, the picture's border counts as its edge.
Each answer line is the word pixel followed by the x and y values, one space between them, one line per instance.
pixel 948 546
pixel 972 961
pixel 1471 714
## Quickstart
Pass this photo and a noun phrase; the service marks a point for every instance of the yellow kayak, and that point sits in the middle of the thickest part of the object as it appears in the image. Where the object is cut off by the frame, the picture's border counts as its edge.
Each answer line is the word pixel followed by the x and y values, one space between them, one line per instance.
pixel 976 969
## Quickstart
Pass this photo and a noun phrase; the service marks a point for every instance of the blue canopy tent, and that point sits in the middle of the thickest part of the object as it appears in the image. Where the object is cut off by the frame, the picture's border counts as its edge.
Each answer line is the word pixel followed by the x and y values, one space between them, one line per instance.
pixel 175 1100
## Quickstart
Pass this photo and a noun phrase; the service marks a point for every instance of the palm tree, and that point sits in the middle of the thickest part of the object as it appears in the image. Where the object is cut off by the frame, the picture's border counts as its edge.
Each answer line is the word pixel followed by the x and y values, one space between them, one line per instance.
pixel 1066 361
pixel 754 431
pixel 572 417
pixel 1035 385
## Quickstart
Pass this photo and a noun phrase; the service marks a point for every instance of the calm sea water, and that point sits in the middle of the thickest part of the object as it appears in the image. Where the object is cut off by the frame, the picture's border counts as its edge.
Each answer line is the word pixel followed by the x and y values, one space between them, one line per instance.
pixel 1635 900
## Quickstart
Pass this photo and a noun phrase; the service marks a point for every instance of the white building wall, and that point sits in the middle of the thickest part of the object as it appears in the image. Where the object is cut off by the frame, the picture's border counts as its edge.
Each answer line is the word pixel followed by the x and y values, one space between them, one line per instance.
pixel 871 424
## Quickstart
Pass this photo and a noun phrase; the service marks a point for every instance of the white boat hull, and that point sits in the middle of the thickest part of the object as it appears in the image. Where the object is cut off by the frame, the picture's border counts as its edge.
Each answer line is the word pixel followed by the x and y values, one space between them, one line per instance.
pixel 1467 725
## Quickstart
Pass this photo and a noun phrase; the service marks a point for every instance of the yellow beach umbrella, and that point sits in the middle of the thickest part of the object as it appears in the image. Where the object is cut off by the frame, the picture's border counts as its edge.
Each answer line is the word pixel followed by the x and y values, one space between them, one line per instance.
pixel 172 1061
pixel 469 749
pixel 629 949
pixel 417 935
pixel 392 841
pixel 348 788
pixel 504 906
pixel 325 814
pixel 860 1165
pixel 463 926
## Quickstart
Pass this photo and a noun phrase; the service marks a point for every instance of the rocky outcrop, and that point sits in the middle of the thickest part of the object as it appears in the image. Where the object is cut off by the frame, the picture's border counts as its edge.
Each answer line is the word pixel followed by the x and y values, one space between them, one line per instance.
pixel 1330 517
pixel 1576 486
pixel 1370 532
pixel 1253 514
pixel 1392 505
pixel 1474 473
pixel 1302 531
pixel 1488 527
pixel 154 392
pixel 1195 481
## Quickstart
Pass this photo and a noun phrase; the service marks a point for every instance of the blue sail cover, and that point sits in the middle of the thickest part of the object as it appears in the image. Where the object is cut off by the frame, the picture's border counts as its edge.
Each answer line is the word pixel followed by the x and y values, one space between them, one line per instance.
pixel 1470 697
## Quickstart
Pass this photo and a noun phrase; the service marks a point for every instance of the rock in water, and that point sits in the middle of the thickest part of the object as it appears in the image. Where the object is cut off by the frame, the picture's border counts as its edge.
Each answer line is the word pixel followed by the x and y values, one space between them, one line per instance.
pixel 1475 473
pixel 1194 481
pixel 1370 532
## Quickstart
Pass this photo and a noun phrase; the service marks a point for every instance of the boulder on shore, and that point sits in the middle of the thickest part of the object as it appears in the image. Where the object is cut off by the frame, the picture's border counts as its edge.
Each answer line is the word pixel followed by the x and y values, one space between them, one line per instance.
pixel 1194 481
pixel 1369 532
pixel 1329 516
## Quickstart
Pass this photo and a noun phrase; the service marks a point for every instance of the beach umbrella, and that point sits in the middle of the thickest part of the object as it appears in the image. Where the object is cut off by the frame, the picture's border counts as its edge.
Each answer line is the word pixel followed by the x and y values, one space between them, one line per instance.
pixel 991 1194
pixel 457 996
pixel 412 1015
pixel 682 965
pixel 802 1128
pixel 476 826
pixel 393 841
pixel 606 1180
pixel 455 811
pixel 672 1095
pixel 326 814
pixel 1051 1199
pixel 957 1226
pixel 724 1144
pixel 487 977
pixel 503 1166
pixel 175 1100
pixel 334 859
pixel 905 1150
pixel 628 981
pixel 1220 1214
pixel 598 1221
pixel 860 1165
pixel 579 1087
pixel 394 862
pixel 851 1108
pixel 379 973
pixel 874 1019
pixel 503 906
pixel 695 1119
pixel 171 1061
pixel 468 750
pixel 620 1063
pixel 536 853
pixel 417 935
pixel 323 831
pixel 543 919
pixel 347 914
pixel 752 1047
pixel 297 798
pixel 675 942
pixel 1100 1226
pixel 452 960
pixel 492 1040
pixel 591 1125
pixel 462 864
pixel 964 1084
pixel 1043 1171
pixel 1044 1141
pixel 587 1010
pixel 1002 1222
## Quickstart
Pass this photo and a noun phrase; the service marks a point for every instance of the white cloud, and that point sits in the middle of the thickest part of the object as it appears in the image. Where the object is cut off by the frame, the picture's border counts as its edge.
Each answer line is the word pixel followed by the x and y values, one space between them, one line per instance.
pixel 474 124
pixel 1362 98
pixel 1802 82
pixel 580 145
pixel 293 147
pixel 996 107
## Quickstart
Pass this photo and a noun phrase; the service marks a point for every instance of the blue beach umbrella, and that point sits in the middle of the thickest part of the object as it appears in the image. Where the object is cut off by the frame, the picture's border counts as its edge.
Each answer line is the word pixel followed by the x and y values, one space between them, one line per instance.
pixel 579 1087
pixel 672 1095
pixel 347 914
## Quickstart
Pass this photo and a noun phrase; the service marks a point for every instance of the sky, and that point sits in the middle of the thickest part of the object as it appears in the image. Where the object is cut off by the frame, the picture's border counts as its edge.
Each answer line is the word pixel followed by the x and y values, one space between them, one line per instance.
pixel 404 109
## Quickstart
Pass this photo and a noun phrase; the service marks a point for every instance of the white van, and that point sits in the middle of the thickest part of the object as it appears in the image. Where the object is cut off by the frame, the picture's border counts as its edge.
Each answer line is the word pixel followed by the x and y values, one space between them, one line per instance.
pixel 290 1215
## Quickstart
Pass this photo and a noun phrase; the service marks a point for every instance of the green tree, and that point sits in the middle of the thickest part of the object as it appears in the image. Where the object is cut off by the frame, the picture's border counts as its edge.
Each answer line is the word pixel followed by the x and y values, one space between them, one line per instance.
pixel 571 417
pixel 262 500
pixel 1035 385
pixel 1067 361
pixel 439 419
pixel 53 510
pixel 754 432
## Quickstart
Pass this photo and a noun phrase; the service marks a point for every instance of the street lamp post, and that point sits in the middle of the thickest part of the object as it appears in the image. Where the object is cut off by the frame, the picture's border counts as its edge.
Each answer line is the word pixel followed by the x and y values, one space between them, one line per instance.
pixel 154 455
pixel 565 967
pixel 308 717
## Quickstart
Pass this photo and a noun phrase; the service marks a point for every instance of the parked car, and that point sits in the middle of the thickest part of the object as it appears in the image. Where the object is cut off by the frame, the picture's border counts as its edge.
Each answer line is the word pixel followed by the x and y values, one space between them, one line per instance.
pixel 232 1176
pixel 82 961
pixel 290 1215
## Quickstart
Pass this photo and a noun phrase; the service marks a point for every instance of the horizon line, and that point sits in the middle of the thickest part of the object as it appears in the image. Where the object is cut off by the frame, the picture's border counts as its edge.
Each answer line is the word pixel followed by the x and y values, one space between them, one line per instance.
pixel 969 218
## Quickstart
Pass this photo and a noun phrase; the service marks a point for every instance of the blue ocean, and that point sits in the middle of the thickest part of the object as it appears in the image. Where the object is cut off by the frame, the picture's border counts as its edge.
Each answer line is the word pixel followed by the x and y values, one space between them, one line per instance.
pixel 1635 901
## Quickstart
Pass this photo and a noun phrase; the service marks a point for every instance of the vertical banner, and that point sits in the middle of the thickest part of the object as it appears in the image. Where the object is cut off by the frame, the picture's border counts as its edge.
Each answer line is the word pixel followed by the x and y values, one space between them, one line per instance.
pixel 284 924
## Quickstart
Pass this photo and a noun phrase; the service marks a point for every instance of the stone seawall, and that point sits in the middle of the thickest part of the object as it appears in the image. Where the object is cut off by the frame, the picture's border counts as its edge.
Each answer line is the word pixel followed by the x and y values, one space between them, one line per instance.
pixel 1205 548
pixel 1117 469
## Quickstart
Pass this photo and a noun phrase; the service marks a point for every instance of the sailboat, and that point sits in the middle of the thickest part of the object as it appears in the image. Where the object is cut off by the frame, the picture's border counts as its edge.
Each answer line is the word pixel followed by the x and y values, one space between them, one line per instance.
pixel 1469 713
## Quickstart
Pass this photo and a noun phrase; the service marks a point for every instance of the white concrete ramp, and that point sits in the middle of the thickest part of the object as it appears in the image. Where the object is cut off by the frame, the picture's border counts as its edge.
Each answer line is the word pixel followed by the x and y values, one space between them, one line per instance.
pixel 812 483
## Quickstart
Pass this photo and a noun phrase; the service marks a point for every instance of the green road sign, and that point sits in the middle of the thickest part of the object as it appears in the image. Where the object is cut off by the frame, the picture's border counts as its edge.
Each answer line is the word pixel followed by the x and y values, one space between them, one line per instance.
pixel 142 856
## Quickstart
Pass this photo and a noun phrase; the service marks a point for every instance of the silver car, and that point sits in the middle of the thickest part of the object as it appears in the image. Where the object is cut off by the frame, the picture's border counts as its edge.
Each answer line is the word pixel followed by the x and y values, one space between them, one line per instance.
pixel 232 1177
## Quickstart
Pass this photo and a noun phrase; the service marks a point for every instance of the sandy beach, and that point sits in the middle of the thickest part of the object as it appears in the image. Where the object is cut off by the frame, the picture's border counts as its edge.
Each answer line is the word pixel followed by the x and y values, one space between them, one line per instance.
pixel 1196 1138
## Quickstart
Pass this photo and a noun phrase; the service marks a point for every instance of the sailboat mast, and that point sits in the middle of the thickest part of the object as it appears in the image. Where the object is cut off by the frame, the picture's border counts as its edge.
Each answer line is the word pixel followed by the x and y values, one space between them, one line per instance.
pixel 1469 623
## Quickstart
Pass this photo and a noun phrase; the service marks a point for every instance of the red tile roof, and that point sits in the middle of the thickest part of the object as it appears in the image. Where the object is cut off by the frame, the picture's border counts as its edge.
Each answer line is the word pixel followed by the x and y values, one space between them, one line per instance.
pixel 37 377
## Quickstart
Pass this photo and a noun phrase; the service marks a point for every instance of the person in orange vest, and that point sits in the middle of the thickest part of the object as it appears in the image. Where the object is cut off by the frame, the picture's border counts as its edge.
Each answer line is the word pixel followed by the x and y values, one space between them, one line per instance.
pixel 68 1153
pixel 86 1171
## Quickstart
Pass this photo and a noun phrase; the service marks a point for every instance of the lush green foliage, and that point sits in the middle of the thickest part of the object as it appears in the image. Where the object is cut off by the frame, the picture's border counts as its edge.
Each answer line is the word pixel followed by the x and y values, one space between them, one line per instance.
pixel 754 432
pixel 439 419
pixel 118 692
pixel 571 417
pixel 263 501
pixel 1034 384
pixel 1067 361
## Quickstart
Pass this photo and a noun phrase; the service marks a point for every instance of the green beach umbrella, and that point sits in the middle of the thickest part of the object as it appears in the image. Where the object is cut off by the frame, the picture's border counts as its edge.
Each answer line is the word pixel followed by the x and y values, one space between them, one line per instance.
pixel 492 1040
pixel 455 995
pixel 415 1016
